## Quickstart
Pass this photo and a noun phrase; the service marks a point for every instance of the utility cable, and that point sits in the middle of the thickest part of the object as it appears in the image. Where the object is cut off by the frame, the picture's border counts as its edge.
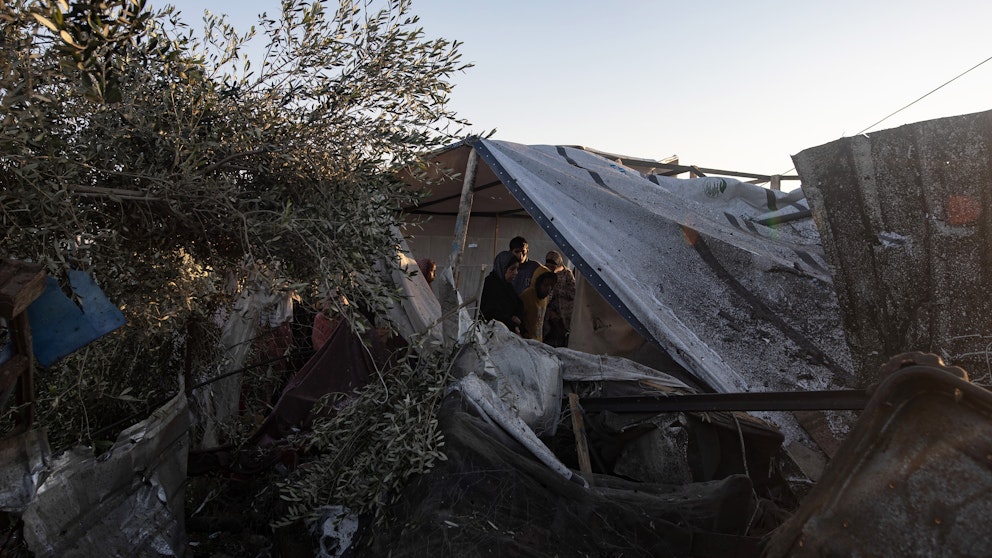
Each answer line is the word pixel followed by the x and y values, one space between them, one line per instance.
pixel 939 87
pixel 925 96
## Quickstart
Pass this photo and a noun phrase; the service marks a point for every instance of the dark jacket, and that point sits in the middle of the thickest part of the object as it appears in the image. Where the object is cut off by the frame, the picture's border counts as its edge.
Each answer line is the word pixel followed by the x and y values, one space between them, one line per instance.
pixel 525 275
pixel 499 301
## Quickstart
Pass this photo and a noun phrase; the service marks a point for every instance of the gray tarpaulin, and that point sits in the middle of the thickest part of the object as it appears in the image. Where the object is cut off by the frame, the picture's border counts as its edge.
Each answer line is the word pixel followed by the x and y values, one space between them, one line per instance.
pixel 717 272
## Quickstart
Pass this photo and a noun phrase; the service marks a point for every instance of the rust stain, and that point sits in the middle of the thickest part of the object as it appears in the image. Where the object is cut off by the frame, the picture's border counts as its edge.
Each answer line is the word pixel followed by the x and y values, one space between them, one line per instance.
pixel 691 235
pixel 963 209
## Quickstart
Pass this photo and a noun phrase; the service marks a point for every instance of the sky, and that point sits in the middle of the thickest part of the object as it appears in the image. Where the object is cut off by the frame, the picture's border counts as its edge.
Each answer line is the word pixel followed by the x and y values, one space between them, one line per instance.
pixel 721 84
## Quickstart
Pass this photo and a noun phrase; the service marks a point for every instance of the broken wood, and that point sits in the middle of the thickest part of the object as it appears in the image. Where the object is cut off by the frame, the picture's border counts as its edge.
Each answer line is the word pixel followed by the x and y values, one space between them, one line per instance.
pixel 581 444
pixel 20 284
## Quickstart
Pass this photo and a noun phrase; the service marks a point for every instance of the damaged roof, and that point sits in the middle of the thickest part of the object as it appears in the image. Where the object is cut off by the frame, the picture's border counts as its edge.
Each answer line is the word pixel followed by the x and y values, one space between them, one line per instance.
pixel 728 277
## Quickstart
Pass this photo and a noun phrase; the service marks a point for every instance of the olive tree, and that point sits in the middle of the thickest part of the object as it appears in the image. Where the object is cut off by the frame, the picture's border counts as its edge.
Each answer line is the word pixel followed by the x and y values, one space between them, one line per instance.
pixel 165 160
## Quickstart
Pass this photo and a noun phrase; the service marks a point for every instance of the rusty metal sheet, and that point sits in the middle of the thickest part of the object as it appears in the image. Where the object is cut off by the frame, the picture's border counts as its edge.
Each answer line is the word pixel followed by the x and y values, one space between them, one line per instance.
pixel 914 478
pixel 127 502
pixel 905 221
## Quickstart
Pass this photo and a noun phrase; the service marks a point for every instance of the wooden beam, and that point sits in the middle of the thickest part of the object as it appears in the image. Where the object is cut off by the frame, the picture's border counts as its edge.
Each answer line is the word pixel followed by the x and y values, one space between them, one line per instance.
pixel 579 430
pixel 11 370
pixel 25 384
pixel 418 208
pixel 679 169
pixel 20 284
pixel 464 212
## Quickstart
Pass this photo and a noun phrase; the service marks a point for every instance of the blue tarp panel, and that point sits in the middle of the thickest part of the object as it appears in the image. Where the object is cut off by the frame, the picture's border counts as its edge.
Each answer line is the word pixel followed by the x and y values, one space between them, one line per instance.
pixel 59 326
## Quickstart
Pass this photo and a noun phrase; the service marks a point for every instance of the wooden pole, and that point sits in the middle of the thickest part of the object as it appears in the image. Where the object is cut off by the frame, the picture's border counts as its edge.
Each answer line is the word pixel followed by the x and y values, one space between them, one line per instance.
pixel 579 430
pixel 20 284
pixel 447 289
pixel 776 182
pixel 464 212
pixel 496 238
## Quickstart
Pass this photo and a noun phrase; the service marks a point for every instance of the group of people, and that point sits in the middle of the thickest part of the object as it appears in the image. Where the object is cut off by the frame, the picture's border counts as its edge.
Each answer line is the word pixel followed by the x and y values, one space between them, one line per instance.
pixel 533 300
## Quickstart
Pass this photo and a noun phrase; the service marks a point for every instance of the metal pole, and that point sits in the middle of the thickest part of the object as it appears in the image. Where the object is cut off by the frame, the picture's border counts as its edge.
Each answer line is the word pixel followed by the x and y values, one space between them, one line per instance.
pixel 753 401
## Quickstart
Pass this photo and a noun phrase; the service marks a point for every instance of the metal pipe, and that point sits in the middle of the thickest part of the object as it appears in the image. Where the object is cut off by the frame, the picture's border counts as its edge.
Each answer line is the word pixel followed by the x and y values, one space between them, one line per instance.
pixel 837 400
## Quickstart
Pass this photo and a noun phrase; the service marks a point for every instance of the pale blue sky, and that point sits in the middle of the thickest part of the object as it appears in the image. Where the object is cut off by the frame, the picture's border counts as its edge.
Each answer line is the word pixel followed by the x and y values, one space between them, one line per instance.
pixel 722 84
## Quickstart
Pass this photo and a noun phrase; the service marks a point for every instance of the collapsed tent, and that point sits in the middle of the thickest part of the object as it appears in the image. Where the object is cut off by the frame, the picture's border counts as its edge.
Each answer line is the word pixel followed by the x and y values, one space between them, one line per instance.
pixel 726 279
pixel 512 480
pixel 914 464
pixel 513 483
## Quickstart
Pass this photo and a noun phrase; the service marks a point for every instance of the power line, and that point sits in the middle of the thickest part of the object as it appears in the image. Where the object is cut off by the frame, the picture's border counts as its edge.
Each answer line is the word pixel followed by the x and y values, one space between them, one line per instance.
pixel 941 86
pixel 925 96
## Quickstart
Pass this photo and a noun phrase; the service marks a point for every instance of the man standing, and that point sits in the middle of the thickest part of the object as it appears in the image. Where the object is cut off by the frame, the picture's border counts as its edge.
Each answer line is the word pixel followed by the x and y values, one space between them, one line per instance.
pixel 518 245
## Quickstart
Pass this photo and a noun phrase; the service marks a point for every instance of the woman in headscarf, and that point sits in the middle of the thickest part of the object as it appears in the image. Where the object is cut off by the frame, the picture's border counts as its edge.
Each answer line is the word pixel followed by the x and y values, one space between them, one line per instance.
pixel 499 301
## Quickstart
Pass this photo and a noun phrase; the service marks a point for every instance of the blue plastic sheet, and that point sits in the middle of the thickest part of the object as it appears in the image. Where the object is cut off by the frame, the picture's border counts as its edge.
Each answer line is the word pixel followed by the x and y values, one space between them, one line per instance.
pixel 60 327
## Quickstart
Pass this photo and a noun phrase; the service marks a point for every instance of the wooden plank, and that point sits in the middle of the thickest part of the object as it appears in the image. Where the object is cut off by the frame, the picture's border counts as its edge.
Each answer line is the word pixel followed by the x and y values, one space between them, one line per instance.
pixel 679 169
pixel 25 384
pixel 11 370
pixel 581 444
pixel 464 212
pixel 20 284
pixel 815 424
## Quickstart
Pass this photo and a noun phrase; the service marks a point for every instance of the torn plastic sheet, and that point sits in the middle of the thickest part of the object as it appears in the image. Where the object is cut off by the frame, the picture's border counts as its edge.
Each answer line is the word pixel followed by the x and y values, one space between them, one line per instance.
pixel 517 383
pixel 491 406
pixel 60 327
pixel 126 502
pixel 527 375
pixel 418 311
pixel 336 530
pixel 519 371
pixel 22 461
pixel 216 402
